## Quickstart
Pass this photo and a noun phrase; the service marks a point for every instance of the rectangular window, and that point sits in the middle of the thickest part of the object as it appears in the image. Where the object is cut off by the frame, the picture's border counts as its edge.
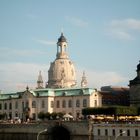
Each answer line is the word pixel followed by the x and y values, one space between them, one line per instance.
pixel 99 132
pixel 33 104
pixel 27 104
pixel 113 132
pixel 106 132
pixel 128 132
pixel 43 104
pixel 52 104
pixel 121 132
pixel 0 106
pixel 57 104
pixel 63 103
pixel 23 105
pixel 84 103
pixel 70 103
pixel 136 133
pixel 5 106
pixel 10 106
pixel 77 103
pixel 95 103
pixel 16 105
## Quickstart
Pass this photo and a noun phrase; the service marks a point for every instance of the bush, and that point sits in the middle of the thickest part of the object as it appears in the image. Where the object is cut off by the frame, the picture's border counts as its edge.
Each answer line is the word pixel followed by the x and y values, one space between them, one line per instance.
pixel 116 110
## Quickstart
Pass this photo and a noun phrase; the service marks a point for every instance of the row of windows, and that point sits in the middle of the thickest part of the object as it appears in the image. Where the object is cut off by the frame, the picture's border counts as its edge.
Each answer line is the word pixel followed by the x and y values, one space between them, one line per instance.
pixel 58 104
pixel 24 104
pixel 121 132
pixel 70 103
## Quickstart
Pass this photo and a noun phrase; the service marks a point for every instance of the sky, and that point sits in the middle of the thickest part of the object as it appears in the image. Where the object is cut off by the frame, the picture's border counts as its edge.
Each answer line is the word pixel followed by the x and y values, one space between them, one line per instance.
pixel 102 35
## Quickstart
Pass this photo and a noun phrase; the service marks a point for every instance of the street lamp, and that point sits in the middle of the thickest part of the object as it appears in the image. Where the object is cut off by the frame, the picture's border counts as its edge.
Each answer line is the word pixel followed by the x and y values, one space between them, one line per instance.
pixel 45 130
pixel 120 134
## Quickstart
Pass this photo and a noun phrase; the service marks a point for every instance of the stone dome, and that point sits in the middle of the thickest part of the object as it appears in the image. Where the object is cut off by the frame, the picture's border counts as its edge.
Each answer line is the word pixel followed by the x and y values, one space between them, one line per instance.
pixel 61 73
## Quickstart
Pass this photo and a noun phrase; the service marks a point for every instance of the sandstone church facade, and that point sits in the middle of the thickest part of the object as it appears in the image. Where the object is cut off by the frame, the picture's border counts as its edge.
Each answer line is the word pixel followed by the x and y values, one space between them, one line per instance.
pixel 135 89
pixel 60 94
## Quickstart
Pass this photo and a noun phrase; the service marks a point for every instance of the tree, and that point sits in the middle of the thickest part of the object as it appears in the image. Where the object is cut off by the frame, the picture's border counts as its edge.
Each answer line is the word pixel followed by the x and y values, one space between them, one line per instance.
pixel 41 115
pixel 115 110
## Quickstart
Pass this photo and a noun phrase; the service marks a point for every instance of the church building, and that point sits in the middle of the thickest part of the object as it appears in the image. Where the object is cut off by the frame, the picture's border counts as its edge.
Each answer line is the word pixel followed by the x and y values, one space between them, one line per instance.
pixel 135 89
pixel 60 94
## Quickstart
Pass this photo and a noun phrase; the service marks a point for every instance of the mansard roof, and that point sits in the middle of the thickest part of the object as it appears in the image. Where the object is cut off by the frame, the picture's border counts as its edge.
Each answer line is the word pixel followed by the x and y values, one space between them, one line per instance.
pixel 49 92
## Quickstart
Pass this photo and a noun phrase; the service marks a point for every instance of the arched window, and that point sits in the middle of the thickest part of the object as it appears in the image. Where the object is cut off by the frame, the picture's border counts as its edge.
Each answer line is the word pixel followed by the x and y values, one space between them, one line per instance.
pixel 77 103
pixel 84 102
pixel 63 103
pixel 33 104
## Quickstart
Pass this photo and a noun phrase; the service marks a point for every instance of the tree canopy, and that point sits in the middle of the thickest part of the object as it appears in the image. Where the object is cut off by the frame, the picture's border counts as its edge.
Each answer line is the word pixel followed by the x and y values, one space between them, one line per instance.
pixel 115 110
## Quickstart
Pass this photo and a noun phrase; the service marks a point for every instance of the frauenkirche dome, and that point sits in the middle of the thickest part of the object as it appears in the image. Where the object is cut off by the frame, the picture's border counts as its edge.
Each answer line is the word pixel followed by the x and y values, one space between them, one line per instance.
pixel 61 73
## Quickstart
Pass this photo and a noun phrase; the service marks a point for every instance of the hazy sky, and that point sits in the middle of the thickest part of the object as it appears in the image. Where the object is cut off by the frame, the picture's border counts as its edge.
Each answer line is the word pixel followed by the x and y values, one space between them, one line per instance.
pixel 103 40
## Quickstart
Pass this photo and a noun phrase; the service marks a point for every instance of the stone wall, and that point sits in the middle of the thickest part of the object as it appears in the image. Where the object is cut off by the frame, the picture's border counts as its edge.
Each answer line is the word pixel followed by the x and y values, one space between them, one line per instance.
pixel 77 130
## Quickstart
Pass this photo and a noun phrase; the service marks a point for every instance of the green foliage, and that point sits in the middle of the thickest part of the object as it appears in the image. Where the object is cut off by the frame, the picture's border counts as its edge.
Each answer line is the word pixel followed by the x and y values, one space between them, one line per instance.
pixel 41 115
pixel 2 116
pixel 53 115
pixel 48 116
pixel 139 111
pixel 60 114
pixel 116 110
pixel 126 111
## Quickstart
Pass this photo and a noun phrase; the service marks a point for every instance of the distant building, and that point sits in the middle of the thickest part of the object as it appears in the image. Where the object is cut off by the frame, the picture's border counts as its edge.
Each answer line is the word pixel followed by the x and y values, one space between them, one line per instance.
pixel 59 95
pixel 116 131
pixel 112 95
pixel 135 89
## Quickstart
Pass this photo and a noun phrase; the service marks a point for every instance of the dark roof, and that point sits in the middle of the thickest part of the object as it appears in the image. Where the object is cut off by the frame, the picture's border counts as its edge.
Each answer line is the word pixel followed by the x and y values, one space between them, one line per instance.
pixel 138 67
pixel 115 89
pixel 62 38
pixel 135 81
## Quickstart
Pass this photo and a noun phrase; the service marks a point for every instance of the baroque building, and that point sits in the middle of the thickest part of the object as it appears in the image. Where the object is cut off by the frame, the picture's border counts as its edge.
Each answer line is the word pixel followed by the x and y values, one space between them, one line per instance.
pixel 135 89
pixel 61 73
pixel 59 95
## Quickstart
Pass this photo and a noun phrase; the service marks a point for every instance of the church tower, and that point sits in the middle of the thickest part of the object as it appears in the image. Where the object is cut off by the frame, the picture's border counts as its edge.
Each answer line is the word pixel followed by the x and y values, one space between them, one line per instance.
pixel 61 73
pixel 84 81
pixel 40 81
pixel 135 89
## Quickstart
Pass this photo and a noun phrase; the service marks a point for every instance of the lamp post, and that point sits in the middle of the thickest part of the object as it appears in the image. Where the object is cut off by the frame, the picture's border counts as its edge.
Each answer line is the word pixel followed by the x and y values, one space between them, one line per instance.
pixel 45 130
pixel 120 134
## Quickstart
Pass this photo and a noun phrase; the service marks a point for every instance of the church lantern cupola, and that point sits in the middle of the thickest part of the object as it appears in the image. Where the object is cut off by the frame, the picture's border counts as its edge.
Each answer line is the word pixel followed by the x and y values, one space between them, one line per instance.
pixel 61 47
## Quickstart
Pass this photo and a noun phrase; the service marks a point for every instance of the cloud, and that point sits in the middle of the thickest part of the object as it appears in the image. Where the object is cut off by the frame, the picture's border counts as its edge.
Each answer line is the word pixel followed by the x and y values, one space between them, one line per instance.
pixel 46 42
pixel 16 76
pixel 124 29
pixel 97 79
pixel 77 21
pixel 19 52
pixel 126 24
